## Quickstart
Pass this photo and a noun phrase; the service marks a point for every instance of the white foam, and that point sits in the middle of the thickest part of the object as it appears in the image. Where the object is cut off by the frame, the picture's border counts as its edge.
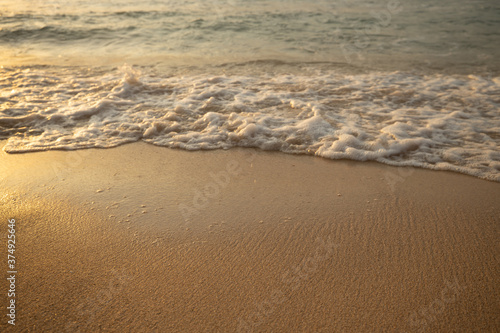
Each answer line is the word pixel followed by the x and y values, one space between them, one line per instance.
pixel 439 122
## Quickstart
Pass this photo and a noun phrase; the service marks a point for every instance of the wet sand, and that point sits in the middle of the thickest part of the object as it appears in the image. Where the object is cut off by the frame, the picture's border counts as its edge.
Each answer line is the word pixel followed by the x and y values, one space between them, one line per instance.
pixel 142 239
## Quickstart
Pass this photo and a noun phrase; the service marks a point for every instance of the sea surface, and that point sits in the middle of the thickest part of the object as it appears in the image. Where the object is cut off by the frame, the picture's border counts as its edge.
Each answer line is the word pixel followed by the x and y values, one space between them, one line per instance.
pixel 408 83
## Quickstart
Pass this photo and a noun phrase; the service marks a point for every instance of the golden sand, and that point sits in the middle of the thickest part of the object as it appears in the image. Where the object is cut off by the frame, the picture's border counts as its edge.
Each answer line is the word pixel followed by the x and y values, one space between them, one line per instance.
pixel 142 239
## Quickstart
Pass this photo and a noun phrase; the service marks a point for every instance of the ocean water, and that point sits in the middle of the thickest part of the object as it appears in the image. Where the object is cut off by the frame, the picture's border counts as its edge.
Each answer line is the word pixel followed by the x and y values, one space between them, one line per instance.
pixel 399 82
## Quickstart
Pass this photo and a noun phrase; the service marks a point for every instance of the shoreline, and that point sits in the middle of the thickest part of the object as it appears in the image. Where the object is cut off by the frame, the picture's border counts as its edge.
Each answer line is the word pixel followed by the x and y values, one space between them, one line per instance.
pixel 146 238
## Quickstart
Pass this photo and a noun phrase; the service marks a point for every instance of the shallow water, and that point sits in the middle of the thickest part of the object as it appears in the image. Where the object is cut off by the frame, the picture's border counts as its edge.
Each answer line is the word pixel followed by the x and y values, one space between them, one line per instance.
pixel 398 82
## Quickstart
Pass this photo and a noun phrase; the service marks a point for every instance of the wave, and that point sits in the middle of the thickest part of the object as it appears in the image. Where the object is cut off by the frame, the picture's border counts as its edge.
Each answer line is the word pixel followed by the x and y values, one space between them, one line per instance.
pixel 55 33
pixel 444 122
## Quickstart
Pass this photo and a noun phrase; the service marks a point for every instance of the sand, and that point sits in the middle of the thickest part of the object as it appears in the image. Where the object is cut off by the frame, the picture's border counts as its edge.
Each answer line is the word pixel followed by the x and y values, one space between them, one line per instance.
pixel 141 238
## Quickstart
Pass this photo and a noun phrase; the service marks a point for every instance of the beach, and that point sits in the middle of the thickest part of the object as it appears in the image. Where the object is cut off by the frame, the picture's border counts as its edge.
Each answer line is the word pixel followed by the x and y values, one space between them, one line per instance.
pixel 235 166
pixel 140 238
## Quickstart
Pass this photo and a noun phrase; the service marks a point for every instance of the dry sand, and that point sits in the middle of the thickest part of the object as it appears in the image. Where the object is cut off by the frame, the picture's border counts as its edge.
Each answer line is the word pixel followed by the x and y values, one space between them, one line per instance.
pixel 142 239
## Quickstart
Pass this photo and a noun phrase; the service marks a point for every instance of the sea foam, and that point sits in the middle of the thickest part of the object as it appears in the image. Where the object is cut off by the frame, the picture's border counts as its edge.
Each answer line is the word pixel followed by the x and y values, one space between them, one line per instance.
pixel 442 122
